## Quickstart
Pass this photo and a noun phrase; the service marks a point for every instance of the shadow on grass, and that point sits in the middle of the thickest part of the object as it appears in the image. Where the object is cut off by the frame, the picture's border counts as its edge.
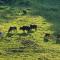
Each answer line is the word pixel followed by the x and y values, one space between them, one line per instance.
pixel 23 34
pixel 9 34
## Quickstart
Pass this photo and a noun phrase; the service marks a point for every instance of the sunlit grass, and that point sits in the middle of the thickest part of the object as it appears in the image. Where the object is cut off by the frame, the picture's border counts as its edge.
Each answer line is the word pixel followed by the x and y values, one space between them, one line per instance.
pixel 45 14
pixel 37 36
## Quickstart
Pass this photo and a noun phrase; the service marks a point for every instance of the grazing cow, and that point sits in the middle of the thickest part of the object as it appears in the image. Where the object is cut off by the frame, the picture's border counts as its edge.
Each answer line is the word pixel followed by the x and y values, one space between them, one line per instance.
pixel 33 27
pixel 46 37
pixel 12 28
pixel 27 28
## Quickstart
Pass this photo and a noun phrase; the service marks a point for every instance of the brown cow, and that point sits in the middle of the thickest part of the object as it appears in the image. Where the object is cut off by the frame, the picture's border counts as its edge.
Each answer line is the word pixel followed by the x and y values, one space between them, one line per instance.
pixel 12 28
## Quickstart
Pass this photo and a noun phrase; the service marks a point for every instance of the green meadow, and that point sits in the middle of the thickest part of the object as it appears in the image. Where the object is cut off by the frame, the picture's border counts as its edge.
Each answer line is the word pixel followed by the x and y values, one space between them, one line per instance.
pixel 45 14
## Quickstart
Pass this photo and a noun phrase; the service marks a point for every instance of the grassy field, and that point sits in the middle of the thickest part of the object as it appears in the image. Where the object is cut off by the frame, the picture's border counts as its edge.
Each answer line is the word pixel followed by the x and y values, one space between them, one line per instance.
pixel 45 14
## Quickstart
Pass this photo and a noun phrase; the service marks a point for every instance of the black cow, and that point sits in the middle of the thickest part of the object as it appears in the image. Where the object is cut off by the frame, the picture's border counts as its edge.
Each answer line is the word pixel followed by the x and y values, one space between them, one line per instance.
pixel 33 27
pixel 12 28
pixel 27 28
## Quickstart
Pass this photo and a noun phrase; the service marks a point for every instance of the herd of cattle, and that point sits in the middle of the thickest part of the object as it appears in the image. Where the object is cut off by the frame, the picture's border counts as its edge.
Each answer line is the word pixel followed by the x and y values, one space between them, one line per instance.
pixel 47 36
pixel 27 28
pixel 23 28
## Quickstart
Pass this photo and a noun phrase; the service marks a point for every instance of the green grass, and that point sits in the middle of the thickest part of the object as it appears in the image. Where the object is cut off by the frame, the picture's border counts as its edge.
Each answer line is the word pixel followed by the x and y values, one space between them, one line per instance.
pixel 45 14
pixel 48 49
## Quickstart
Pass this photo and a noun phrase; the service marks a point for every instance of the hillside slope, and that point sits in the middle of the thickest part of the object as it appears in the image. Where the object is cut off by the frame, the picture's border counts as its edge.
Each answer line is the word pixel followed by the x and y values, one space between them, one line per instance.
pixel 45 14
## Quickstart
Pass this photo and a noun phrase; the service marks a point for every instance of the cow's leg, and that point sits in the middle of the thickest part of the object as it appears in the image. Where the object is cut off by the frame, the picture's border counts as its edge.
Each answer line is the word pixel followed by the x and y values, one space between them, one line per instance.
pixel 15 30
